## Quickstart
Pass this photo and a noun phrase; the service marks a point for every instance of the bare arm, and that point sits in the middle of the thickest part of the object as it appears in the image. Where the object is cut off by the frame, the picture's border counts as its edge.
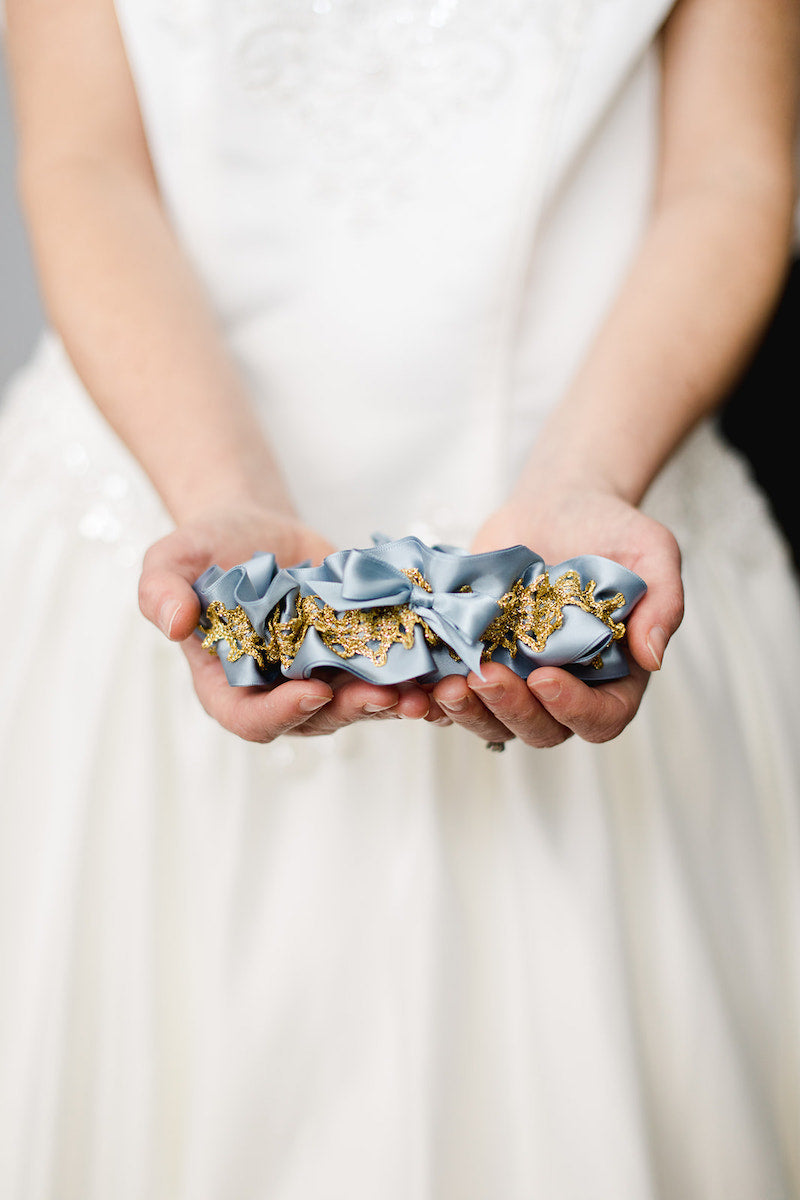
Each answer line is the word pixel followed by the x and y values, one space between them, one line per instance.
pixel 114 280
pixel 142 335
pixel 714 257
pixel 699 293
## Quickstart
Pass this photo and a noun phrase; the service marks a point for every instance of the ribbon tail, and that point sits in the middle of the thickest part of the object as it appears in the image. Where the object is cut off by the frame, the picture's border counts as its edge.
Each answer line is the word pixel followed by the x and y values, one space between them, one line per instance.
pixel 460 620
pixel 468 651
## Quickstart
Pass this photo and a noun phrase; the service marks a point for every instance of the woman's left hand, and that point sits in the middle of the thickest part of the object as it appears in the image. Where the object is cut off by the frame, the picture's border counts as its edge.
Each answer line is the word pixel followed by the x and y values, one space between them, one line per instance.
pixel 551 704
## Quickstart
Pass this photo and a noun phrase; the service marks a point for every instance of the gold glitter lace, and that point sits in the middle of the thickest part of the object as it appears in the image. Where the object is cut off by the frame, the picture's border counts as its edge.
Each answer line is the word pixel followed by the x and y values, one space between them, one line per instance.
pixel 528 615
pixel 370 632
pixel 531 614
pixel 232 625
pixel 417 577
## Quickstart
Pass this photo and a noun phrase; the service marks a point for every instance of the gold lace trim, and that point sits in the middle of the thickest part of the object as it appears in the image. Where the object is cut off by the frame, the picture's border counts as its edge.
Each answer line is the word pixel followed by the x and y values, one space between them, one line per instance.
pixel 370 632
pixel 528 615
pixel 232 625
pixel 531 614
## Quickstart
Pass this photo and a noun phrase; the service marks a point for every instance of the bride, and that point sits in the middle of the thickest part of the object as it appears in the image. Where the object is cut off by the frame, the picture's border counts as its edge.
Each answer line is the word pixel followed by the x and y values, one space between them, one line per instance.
pixel 480 273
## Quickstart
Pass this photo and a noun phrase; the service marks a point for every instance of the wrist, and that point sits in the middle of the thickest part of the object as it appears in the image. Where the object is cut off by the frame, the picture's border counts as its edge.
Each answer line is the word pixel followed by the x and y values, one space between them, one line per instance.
pixel 195 507
pixel 230 484
pixel 547 481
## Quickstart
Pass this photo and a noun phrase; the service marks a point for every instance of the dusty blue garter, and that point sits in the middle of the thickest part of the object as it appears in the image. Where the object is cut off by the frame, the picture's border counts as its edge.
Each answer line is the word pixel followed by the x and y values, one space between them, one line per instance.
pixel 402 610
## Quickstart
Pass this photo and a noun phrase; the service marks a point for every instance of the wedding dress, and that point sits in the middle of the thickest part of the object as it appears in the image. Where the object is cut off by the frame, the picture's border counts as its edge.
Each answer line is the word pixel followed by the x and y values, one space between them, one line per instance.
pixel 388 964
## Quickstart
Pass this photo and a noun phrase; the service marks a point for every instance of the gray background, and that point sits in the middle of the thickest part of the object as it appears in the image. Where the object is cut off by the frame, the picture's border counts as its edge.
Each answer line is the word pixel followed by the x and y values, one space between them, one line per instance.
pixel 20 311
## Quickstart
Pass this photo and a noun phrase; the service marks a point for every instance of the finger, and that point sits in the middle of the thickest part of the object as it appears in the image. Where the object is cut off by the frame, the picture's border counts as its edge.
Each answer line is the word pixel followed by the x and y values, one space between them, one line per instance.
pixel 357 700
pixel 660 611
pixel 414 704
pixel 166 596
pixel 254 714
pixel 437 716
pixel 596 714
pixel 408 699
pixel 463 707
pixel 353 700
pixel 511 701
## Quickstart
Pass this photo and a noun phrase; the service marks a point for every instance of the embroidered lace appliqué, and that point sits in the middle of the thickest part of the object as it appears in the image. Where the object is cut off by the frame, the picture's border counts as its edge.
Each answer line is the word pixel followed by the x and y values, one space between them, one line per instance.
pixel 375 84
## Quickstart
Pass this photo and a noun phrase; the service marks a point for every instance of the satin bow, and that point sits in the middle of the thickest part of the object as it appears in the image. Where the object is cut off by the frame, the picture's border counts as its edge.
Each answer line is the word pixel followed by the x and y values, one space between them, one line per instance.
pixel 458 618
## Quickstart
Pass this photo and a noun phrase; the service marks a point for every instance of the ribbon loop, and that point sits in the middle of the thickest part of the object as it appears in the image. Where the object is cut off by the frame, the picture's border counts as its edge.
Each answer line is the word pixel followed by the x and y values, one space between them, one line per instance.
pixel 367 579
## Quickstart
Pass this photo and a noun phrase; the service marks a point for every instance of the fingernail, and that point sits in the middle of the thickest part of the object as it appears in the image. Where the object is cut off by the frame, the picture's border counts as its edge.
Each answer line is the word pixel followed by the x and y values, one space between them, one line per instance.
pixel 489 691
pixel 376 708
pixel 455 705
pixel 657 644
pixel 548 689
pixel 442 722
pixel 310 704
pixel 167 615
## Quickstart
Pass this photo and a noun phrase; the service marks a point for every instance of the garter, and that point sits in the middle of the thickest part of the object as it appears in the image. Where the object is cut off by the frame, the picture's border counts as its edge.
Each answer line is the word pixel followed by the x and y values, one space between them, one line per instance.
pixel 402 610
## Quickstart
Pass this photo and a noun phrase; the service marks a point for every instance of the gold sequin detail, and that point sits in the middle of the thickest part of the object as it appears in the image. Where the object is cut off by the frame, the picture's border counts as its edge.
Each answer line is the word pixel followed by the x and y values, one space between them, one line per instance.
pixel 232 625
pixel 370 632
pixel 528 615
pixel 417 577
pixel 531 614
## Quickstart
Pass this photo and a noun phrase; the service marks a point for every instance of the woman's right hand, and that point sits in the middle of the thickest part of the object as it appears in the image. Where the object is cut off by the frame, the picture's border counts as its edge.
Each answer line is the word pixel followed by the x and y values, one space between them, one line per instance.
pixel 309 707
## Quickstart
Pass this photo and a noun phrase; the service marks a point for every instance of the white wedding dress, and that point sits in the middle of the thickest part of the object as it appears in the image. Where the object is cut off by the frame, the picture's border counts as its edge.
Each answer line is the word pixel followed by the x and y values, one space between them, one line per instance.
pixel 388 965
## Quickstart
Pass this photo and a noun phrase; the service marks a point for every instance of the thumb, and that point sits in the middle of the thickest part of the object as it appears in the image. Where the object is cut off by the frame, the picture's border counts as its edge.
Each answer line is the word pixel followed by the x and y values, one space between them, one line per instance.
pixel 166 595
pixel 660 611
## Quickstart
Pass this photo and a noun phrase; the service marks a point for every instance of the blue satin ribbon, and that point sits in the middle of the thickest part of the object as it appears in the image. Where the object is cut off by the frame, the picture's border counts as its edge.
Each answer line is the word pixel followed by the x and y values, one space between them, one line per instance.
pixel 462 602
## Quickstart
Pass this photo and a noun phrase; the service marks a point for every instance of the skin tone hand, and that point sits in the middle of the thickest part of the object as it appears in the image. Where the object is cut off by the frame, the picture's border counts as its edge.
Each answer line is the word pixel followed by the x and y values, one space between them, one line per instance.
pixel 699 290
pixel 552 705
pixel 301 707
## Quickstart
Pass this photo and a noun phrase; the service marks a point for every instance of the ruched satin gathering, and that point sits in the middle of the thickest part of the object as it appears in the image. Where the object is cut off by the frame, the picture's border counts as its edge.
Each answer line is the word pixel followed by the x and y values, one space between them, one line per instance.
pixel 401 611
pixel 388 964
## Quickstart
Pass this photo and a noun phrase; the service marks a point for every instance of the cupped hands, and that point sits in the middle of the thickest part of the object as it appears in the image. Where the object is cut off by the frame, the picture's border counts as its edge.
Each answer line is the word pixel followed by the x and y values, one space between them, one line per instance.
pixel 309 707
pixel 552 705
pixel 543 710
